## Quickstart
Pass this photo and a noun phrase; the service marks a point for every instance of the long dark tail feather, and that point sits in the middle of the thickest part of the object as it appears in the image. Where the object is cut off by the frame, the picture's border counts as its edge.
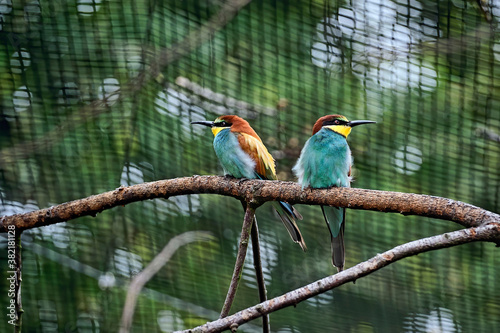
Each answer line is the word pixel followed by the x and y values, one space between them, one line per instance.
pixel 290 210
pixel 337 242
pixel 288 215
pixel 338 250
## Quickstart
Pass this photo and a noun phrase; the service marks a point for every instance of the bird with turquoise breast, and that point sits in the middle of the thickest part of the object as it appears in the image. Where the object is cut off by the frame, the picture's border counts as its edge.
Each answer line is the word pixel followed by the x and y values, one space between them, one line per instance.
pixel 325 161
pixel 243 155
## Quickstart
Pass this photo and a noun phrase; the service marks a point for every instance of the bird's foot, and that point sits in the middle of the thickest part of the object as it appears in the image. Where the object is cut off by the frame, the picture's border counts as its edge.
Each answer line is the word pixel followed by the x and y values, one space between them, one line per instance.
pixel 242 180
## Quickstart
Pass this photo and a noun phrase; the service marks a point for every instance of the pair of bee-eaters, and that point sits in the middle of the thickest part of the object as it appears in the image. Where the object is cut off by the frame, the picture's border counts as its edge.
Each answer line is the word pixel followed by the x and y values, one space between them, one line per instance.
pixel 325 161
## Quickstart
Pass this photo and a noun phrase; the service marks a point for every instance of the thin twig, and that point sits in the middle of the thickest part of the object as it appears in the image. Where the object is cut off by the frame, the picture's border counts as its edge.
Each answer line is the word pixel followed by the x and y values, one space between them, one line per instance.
pixel 257 264
pixel 161 259
pixel 240 259
pixel 486 233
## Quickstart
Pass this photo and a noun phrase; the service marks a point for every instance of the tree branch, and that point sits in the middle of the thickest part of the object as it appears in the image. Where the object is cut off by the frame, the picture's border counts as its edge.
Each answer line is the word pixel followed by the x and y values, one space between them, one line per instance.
pixel 240 259
pixel 248 229
pixel 489 232
pixel 258 191
pixel 160 260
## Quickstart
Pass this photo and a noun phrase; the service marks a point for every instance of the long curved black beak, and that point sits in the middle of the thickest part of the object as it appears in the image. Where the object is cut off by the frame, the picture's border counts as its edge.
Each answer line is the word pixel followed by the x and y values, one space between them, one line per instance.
pixel 205 123
pixel 360 122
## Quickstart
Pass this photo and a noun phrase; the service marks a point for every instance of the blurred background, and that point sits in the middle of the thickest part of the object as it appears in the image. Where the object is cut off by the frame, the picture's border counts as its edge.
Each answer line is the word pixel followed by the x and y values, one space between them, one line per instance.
pixel 427 71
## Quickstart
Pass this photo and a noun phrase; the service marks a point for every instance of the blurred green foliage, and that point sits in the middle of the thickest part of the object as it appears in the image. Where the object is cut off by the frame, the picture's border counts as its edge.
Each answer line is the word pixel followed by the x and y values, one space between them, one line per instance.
pixel 427 72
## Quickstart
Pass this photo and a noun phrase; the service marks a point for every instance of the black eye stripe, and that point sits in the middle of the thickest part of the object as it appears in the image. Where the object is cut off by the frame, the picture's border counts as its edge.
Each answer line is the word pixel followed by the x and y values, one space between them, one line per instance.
pixel 222 124
pixel 335 122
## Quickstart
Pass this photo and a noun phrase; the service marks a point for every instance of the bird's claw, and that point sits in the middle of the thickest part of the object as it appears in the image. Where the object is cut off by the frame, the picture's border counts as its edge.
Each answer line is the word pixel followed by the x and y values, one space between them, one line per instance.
pixel 242 180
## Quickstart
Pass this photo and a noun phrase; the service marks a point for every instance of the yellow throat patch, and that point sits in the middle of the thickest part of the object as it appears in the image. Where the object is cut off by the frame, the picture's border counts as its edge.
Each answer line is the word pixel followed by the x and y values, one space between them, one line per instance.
pixel 341 129
pixel 216 130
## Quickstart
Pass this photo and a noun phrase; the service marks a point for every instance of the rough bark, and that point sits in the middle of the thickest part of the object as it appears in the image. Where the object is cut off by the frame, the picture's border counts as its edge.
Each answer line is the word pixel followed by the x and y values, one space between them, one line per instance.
pixel 258 192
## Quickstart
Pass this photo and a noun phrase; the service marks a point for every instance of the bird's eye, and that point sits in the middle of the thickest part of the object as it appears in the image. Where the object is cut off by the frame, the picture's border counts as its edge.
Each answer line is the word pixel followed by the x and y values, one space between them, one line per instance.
pixel 222 124
pixel 336 122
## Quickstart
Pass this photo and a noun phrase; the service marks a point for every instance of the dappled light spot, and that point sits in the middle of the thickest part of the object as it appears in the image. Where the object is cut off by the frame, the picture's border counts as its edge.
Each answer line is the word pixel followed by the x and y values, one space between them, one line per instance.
pixel 321 300
pixel 88 7
pixel 169 102
pixel 407 160
pixel 326 55
pixel 496 51
pixel 129 56
pixel 183 205
pixel 22 99
pixel 20 61
pixel 107 280
pixel 186 204
pixel 381 50
pixel 131 175
pixel 58 234
pixel 438 320
pixel 5 6
pixel 8 207
pixel 109 90
pixel 169 321
pixel 495 10
pixel 127 263
pixel 401 74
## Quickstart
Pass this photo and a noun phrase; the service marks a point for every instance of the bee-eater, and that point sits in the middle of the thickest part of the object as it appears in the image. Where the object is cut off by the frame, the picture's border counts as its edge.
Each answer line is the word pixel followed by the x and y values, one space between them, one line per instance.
pixel 243 155
pixel 325 161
